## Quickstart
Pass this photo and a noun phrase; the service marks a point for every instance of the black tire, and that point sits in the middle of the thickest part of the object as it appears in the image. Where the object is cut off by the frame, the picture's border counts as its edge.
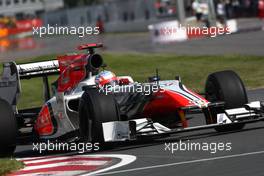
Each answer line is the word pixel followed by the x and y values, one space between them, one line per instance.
pixel 8 129
pixel 228 87
pixel 96 108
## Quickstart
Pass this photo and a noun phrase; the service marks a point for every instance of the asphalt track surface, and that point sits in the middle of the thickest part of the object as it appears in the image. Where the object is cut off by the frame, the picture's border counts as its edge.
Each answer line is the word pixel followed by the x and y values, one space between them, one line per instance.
pixel 245 158
pixel 246 43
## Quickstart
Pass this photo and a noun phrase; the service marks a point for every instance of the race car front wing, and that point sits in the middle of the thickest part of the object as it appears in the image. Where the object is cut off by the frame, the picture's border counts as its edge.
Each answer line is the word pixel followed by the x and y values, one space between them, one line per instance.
pixel 134 129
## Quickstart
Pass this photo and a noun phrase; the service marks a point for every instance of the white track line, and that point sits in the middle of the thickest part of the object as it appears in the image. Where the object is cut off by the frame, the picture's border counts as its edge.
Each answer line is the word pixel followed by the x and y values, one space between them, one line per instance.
pixel 125 160
pixel 182 163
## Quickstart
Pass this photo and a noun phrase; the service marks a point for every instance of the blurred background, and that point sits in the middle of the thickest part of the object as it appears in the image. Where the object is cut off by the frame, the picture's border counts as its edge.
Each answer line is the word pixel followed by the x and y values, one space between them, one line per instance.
pixel 128 25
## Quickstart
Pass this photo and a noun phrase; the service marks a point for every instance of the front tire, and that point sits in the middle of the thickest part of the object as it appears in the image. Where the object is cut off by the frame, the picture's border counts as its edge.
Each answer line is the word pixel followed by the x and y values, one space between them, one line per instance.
pixel 96 108
pixel 228 87
pixel 8 129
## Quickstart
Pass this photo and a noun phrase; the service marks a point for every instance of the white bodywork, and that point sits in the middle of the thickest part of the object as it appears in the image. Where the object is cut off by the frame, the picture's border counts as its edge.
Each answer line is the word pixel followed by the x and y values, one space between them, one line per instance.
pixel 65 124
pixel 121 130
pixel 61 109
pixel 249 110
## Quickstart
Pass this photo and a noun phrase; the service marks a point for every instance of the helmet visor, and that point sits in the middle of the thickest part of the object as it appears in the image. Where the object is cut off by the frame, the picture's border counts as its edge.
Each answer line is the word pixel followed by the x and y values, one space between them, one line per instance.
pixel 112 83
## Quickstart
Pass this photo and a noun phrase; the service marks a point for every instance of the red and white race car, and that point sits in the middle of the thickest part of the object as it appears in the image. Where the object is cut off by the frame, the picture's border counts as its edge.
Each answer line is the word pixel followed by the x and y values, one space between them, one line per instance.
pixel 79 110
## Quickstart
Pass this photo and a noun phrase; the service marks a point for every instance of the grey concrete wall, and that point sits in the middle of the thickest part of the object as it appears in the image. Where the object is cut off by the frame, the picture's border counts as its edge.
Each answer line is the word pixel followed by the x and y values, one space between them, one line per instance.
pixel 118 16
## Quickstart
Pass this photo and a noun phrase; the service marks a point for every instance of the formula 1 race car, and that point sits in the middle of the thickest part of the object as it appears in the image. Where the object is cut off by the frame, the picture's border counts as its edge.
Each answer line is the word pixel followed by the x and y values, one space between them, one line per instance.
pixel 79 110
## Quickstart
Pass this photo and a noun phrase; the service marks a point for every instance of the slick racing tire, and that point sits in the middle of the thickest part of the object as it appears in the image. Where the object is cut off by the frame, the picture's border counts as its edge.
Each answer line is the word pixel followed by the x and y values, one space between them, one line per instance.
pixel 96 108
pixel 8 129
pixel 226 86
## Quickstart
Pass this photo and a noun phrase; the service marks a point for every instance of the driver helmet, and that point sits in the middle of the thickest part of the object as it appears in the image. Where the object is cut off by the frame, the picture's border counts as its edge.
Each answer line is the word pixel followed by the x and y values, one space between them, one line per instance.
pixel 105 78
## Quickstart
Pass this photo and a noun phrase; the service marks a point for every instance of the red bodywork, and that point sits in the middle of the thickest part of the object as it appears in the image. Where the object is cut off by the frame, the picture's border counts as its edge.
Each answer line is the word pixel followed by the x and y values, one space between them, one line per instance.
pixel 168 103
pixel 72 71
pixel 164 104
pixel 44 125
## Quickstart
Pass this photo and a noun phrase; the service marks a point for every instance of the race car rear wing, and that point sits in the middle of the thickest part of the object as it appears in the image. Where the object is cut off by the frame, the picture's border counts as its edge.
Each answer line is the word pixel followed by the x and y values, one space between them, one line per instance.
pixel 38 69
pixel 86 64
pixel 45 68
pixel 12 74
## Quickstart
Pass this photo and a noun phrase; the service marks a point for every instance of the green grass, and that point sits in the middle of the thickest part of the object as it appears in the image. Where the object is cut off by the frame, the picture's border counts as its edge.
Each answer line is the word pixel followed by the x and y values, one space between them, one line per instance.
pixel 192 69
pixel 7 166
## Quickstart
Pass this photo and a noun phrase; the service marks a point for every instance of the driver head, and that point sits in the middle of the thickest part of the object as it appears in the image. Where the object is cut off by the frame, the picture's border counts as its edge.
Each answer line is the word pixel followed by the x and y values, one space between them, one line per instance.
pixel 106 78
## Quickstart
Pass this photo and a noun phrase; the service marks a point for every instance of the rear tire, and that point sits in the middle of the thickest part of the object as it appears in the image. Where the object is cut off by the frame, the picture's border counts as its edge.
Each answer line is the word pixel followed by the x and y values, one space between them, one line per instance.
pixel 96 108
pixel 228 87
pixel 8 129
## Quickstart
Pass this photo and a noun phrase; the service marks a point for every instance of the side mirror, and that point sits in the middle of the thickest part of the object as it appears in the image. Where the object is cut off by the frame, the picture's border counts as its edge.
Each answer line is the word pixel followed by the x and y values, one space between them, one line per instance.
pixel 154 78
pixel 178 78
